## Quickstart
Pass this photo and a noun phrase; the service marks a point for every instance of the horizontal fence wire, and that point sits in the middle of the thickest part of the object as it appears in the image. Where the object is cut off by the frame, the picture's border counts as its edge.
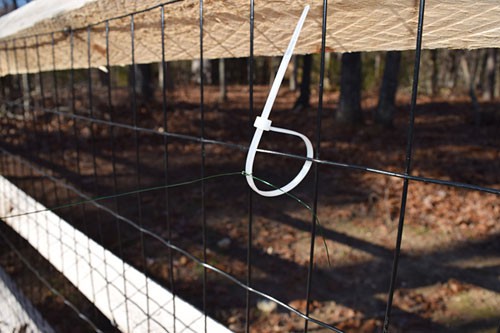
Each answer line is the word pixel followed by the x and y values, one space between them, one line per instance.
pixel 26 121
pixel 245 148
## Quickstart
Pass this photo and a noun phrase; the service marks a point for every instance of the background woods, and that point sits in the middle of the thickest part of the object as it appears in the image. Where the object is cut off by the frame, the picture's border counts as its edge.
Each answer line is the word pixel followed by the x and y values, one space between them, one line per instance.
pixel 380 76
pixel 357 77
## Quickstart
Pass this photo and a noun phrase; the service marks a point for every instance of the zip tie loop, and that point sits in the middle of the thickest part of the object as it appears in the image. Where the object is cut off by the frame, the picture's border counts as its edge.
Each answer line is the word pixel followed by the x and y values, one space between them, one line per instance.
pixel 262 123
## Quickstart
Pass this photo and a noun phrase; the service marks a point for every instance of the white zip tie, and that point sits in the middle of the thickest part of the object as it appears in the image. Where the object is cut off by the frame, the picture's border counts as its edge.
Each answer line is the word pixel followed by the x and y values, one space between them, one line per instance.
pixel 262 123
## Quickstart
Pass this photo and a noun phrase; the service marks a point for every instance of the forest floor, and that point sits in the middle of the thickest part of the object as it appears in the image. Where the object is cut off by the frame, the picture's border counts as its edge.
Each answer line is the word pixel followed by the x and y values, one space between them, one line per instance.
pixel 449 271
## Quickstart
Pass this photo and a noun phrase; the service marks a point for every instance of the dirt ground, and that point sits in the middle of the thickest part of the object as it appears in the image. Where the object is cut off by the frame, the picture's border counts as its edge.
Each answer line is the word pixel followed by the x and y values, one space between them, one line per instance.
pixel 448 279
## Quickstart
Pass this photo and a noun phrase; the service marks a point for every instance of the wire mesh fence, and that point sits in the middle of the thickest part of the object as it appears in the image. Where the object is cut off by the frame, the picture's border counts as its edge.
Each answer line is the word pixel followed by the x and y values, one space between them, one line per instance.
pixel 152 184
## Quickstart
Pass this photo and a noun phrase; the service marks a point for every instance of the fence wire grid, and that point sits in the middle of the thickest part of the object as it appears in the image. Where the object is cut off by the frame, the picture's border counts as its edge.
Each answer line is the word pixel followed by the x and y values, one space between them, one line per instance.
pixel 147 187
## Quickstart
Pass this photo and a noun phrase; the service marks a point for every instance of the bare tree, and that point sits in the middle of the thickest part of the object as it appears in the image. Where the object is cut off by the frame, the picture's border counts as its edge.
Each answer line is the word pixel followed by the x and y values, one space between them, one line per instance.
pixel 305 84
pixel 349 110
pixel 144 81
pixel 293 76
pixel 470 80
pixel 222 81
pixel 384 113
pixel 435 73
pixel 207 71
pixel 491 63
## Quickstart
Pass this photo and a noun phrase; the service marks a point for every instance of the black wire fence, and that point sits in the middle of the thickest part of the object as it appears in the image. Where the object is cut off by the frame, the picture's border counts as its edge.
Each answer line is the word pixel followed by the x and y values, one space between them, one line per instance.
pixel 160 185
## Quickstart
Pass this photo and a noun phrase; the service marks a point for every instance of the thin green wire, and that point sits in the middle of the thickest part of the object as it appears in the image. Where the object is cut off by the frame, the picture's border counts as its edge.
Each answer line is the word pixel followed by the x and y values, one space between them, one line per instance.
pixel 155 188
pixel 148 189
pixel 303 204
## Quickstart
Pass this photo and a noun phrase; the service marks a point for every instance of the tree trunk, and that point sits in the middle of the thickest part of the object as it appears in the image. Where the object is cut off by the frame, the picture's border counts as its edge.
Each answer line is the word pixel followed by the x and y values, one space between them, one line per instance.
pixel 470 81
pixel 376 66
pixel 160 74
pixel 455 59
pixel 327 84
pixel 273 64
pixel 222 81
pixel 305 84
pixel 144 81
pixel 490 77
pixel 165 76
pixel 26 92
pixel 207 71
pixel 349 111
pixel 435 73
pixel 384 113
pixel 293 77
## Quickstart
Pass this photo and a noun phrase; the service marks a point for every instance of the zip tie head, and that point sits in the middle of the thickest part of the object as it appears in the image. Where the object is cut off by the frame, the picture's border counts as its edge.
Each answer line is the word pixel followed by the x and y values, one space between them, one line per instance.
pixel 262 123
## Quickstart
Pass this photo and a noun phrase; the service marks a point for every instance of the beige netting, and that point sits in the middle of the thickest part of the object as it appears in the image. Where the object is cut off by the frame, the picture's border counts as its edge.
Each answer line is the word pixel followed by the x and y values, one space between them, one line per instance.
pixel 353 25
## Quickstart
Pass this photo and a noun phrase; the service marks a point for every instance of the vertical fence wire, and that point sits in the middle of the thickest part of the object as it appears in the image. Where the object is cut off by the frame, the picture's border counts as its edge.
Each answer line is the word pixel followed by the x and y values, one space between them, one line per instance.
pixel 202 148
pixel 61 143
pixel 118 226
pixel 50 154
pixel 409 151
pixel 7 58
pixel 36 145
pixel 138 164
pixel 166 167
pixel 251 67
pixel 27 146
pixel 92 144
pixel 310 270
pixel 23 111
pixel 13 107
pixel 19 108
pixel 55 97
pixel 83 212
